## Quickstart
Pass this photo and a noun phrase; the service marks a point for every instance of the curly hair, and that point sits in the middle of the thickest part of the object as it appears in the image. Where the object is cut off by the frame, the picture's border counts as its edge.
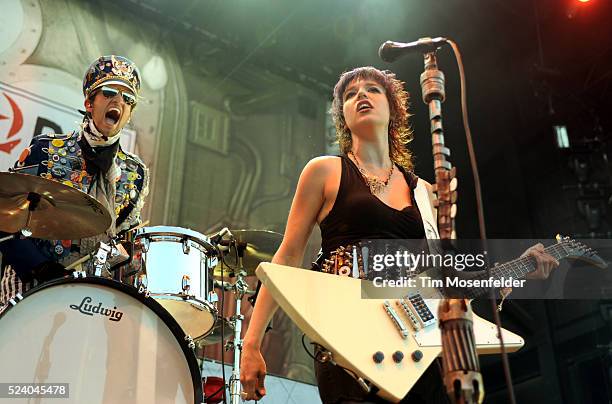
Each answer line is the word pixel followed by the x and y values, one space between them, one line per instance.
pixel 400 134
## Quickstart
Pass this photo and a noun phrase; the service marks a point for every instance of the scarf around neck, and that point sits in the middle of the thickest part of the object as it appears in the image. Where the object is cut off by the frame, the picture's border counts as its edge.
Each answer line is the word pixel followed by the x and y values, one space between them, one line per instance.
pixel 99 153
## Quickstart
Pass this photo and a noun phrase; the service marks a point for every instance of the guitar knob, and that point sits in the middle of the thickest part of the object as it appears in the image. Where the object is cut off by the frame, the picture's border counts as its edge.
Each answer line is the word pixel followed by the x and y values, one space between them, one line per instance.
pixel 417 356
pixel 378 357
pixel 398 356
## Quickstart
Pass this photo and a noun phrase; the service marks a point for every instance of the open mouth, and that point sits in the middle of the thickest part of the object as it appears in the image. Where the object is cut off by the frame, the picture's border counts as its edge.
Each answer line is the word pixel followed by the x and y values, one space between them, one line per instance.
pixel 112 116
pixel 364 106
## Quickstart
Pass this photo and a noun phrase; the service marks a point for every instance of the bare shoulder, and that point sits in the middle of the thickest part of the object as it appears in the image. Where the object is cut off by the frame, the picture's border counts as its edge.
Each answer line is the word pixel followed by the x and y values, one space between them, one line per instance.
pixel 323 163
pixel 321 167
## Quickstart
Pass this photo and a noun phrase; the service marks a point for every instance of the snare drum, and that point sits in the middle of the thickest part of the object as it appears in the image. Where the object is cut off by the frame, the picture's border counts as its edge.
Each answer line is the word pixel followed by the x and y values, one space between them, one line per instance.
pixel 108 342
pixel 174 264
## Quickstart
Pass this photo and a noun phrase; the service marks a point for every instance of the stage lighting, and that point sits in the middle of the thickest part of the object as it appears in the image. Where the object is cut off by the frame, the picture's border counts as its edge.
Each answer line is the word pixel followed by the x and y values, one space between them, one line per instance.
pixel 562 137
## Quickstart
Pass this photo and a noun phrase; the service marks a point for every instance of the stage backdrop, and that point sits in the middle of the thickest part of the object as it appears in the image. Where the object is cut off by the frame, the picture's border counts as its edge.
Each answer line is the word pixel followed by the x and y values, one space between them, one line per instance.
pixel 225 140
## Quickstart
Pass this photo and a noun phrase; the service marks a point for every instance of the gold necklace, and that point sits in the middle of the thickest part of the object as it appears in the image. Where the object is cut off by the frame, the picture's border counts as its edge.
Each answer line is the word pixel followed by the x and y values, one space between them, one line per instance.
pixel 375 184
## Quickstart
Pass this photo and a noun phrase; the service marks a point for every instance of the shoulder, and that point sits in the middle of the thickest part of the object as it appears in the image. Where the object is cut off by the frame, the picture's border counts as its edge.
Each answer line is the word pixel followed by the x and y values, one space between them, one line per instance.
pixel 131 157
pixel 316 172
pixel 50 137
pixel 42 146
pixel 322 165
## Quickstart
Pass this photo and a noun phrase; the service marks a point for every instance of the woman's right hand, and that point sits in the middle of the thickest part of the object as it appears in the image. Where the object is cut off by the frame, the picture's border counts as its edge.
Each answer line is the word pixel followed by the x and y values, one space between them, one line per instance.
pixel 252 374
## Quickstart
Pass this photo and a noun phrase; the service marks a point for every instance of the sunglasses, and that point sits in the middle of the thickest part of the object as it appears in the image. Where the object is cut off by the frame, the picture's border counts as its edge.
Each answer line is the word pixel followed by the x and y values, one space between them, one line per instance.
pixel 109 92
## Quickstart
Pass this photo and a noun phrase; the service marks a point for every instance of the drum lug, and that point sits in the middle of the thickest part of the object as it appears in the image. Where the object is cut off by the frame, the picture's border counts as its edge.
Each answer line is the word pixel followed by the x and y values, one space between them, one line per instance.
pixel 144 290
pixel 190 342
pixel 145 244
pixel 186 284
pixel 14 302
pixel 101 257
pixel 141 281
pixel 186 247
pixel 79 274
pixel 231 345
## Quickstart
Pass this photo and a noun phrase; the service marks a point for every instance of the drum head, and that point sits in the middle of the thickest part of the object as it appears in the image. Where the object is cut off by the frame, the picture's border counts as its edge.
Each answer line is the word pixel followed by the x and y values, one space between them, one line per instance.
pixel 109 343
pixel 196 317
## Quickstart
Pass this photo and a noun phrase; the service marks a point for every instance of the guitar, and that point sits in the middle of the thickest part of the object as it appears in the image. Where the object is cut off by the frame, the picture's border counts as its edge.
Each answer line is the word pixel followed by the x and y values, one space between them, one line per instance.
pixel 330 310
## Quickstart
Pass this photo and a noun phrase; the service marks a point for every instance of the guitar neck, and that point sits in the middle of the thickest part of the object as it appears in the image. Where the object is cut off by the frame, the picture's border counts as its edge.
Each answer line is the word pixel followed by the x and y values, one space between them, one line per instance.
pixel 518 268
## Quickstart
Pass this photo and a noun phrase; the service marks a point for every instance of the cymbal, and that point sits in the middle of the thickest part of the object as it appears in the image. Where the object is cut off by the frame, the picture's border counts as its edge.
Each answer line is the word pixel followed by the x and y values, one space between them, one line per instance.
pixel 214 337
pixel 62 213
pixel 261 245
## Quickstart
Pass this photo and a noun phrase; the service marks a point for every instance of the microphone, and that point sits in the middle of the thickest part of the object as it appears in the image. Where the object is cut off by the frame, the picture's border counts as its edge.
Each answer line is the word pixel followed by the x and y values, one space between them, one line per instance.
pixel 459 358
pixel 220 236
pixel 391 51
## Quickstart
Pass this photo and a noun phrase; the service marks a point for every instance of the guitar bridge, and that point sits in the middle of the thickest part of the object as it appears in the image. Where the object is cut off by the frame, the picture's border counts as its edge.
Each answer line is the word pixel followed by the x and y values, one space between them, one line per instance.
pixel 417 311
pixel 399 324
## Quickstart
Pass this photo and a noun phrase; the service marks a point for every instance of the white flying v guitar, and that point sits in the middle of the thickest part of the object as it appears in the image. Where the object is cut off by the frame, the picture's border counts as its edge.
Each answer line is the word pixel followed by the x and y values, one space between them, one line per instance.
pixel 331 312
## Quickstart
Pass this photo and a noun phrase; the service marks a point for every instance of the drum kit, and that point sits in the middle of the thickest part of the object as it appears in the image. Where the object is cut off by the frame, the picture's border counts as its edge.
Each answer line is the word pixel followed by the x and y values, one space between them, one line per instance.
pixel 133 338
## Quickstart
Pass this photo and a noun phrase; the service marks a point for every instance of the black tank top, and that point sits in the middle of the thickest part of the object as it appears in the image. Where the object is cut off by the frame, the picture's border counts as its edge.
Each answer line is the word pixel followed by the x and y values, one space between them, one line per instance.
pixel 359 215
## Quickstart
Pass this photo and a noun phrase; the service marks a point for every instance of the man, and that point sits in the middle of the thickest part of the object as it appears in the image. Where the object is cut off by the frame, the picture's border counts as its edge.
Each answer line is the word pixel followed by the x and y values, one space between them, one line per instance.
pixel 91 160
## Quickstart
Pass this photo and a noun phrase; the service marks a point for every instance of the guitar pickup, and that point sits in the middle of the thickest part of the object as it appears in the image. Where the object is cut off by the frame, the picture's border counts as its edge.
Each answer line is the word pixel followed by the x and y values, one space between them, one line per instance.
pixel 399 324
pixel 417 311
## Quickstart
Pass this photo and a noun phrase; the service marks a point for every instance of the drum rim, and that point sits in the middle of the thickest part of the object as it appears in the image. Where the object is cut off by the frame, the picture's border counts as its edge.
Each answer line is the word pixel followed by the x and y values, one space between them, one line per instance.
pixel 191 299
pixel 175 231
pixel 169 321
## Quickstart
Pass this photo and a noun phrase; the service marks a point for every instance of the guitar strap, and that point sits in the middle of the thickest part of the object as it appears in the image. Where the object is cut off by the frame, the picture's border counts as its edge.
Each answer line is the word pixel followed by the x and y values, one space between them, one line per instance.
pixel 423 196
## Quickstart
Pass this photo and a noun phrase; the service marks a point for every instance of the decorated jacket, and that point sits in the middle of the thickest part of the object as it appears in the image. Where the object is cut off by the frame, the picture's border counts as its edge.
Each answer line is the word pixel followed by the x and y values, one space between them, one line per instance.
pixel 59 158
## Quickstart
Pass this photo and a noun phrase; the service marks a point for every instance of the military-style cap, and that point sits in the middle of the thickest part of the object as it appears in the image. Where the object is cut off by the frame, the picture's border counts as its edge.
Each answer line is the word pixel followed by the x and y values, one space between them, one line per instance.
pixel 111 69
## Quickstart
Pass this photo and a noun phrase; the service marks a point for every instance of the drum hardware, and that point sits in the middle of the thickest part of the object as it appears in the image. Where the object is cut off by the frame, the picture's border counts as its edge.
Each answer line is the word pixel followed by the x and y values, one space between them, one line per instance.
pixel 252 247
pixel 100 258
pixel 259 245
pixel 185 284
pixel 144 291
pixel 37 207
pixel 173 264
pixel 44 325
pixel 239 288
pixel 190 342
pixel 19 298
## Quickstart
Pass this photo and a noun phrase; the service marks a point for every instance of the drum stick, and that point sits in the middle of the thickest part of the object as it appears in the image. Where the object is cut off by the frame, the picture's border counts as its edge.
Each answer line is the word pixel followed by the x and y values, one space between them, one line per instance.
pixel 143 224
pixel 79 261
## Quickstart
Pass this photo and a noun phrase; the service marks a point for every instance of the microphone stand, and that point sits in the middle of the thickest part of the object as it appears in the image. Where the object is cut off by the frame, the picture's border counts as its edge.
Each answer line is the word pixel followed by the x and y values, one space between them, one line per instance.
pixel 432 87
pixel 461 368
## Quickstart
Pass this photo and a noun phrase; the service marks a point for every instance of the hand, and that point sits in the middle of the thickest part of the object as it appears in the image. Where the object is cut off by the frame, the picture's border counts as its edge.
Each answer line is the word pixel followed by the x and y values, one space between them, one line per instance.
pixel 545 262
pixel 252 374
pixel 48 271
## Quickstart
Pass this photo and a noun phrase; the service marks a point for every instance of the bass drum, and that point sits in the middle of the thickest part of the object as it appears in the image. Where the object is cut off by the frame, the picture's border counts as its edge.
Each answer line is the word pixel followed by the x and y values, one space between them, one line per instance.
pixel 108 342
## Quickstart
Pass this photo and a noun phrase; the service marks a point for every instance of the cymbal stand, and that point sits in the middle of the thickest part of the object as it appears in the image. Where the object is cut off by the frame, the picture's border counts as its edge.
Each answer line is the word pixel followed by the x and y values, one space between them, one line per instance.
pixel 33 201
pixel 240 288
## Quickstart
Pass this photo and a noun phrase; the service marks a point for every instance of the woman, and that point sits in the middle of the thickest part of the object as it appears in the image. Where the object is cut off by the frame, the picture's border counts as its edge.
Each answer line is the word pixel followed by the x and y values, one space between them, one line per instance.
pixel 366 193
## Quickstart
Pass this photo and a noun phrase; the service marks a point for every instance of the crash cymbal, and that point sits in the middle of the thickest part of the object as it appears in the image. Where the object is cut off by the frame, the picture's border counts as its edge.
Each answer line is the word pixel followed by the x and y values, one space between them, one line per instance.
pixel 58 211
pixel 261 245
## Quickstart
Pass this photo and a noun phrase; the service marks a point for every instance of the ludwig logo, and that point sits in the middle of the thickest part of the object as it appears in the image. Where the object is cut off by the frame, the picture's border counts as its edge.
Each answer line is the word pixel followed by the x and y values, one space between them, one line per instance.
pixel 89 309
pixel 15 127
